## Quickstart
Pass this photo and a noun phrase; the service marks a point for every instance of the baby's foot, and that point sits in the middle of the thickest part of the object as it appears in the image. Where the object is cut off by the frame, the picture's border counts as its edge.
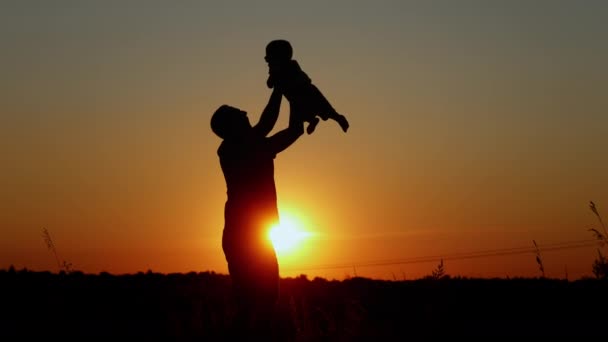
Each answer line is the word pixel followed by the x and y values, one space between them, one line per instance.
pixel 312 125
pixel 343 122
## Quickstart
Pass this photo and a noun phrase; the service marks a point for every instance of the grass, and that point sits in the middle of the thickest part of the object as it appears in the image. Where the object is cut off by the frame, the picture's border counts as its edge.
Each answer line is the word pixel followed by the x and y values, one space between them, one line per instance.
pixel 600 264
pixel 198 306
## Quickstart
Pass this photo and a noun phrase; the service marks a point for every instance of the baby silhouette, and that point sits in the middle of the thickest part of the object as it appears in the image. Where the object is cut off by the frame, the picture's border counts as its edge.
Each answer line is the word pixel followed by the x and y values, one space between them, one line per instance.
pixel 285 74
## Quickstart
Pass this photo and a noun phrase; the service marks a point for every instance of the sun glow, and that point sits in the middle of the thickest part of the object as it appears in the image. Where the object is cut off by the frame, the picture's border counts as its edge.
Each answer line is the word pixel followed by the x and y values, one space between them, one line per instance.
pixel 287 235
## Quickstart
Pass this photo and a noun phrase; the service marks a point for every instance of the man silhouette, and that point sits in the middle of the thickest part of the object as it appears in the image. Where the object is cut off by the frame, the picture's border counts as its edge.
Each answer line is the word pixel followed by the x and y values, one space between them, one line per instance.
pixel 247 160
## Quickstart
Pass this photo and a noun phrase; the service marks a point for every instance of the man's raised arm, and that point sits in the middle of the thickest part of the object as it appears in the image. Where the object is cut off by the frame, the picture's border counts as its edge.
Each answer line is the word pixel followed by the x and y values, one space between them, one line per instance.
pixel 270 114
pixel 283 139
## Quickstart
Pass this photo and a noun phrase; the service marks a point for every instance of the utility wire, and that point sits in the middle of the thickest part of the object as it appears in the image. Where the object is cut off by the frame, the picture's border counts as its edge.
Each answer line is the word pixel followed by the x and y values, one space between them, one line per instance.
pixel 456 256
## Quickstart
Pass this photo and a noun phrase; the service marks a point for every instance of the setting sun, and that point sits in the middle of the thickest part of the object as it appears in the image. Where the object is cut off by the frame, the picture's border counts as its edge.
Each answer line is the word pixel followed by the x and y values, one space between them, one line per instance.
pixel 287 235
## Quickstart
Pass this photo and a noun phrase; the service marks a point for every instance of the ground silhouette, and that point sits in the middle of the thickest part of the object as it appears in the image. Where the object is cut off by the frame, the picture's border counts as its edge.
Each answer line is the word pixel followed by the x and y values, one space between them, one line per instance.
pixel 200 306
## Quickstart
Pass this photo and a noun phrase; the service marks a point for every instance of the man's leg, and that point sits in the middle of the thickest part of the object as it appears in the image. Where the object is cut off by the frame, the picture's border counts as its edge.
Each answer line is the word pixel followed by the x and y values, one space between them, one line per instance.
pixel 266 293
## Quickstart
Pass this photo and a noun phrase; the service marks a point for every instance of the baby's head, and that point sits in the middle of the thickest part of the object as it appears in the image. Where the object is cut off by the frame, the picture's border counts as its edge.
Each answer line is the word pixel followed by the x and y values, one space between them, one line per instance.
pixel 278 51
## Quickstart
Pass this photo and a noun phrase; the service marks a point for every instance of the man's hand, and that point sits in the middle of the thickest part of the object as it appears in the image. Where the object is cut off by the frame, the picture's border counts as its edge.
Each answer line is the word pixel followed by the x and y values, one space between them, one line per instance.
pixel 270 114
pixel 283 139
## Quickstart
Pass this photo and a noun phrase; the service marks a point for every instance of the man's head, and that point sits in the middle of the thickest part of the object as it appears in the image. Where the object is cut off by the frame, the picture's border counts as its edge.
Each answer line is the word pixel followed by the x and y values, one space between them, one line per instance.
pixel 228 122
pixel 278 50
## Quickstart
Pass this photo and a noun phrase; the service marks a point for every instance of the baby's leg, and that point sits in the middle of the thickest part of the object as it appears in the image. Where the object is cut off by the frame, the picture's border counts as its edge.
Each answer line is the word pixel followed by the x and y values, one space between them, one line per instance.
pixel 308 114
pixel 319 103
pixel 341 119
pixel 312 125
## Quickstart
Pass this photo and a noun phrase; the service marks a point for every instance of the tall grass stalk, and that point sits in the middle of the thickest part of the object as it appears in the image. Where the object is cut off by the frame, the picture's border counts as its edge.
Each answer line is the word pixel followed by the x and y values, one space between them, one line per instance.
pixel 600 265
pixel 65 266
pixel 539 259
pixel 602 238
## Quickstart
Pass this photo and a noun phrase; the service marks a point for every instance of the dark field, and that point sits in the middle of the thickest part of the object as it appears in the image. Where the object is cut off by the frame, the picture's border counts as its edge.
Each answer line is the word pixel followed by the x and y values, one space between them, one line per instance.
pixel 197 306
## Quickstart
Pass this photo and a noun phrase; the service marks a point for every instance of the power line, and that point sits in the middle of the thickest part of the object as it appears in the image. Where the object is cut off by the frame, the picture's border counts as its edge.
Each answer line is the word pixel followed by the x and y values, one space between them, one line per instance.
pixel 456 256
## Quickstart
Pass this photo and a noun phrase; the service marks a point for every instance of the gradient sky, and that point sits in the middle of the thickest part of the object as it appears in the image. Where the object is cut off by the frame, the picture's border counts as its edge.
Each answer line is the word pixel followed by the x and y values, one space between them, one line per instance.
pixel 475 126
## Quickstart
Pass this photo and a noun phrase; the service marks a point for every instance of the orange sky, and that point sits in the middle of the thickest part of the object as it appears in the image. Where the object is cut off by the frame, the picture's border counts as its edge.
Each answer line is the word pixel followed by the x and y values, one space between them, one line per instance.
pixel 474 127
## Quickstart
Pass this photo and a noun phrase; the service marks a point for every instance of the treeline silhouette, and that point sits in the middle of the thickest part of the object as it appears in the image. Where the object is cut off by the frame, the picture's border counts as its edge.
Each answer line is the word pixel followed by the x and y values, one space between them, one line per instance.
pixel 198 306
